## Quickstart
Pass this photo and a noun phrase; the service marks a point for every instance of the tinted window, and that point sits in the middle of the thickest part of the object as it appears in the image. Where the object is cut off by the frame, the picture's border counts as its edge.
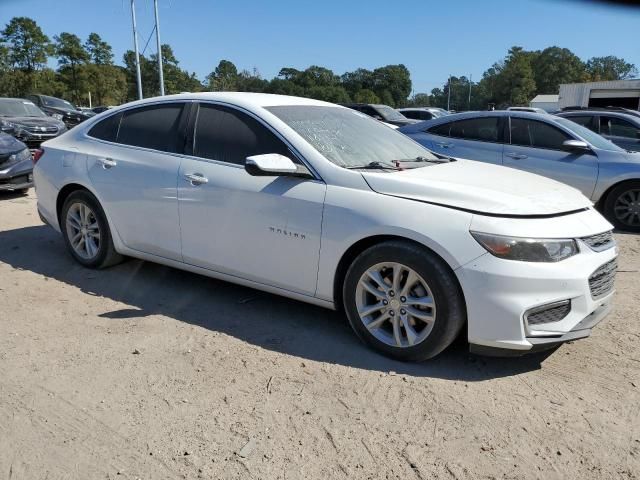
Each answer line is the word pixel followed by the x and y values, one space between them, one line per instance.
pixel 106 129
pixel 585 121
pixel 412 114
pixel 153 127
pixel 442 130
pixel 231 136
pixel 617 127
pixel 484 129
pixel 530 133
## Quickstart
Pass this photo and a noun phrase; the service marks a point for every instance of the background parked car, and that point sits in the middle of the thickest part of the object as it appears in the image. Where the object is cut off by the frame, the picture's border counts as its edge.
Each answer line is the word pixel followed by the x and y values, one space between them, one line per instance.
pixel 547 145
pixel 22 119
pixel 621 128
pixel 16 166
pixel 421 113
pixel 100 109
pixel 384 113
pixel 60 109
pixel 87 111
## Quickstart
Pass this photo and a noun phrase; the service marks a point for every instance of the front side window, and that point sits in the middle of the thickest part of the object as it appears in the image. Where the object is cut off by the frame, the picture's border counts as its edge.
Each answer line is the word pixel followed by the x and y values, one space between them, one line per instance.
pixel 483 129
pixel 155 127
pixel 531 133
pixel 618 127
pixel 228 135
pixel 348 138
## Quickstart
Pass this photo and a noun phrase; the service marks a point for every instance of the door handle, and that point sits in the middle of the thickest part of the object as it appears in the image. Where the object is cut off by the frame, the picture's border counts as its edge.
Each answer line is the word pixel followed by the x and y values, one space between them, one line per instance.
pixel 445 145
pixel 516 156
pixel 107 163
pixel 196 179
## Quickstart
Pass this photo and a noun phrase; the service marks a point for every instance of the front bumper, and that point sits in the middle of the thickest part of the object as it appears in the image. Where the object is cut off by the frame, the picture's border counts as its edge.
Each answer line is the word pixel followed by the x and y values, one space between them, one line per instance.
pixel 17 177
pixel 500 292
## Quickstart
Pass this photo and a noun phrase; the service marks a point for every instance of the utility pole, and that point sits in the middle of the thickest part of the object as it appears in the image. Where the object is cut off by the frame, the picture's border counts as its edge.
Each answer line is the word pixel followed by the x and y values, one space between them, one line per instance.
pixel 469 108
pixel 135 45
pixel 448 93
pixel 160 74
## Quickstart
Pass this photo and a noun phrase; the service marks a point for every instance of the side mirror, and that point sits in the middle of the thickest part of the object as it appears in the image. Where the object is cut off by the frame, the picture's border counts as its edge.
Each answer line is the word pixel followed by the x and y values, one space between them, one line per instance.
pixel 269 165
pixel 573 145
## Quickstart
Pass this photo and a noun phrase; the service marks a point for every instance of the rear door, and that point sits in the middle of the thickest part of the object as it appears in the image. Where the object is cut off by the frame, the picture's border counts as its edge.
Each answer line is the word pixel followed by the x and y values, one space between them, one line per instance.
pixel 536 147
pixel 621 132
pixel 472 139
pixel 133 166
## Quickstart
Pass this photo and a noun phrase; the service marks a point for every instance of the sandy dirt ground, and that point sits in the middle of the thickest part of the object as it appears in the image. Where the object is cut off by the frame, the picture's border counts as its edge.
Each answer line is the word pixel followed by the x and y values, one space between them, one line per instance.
pixel 146 372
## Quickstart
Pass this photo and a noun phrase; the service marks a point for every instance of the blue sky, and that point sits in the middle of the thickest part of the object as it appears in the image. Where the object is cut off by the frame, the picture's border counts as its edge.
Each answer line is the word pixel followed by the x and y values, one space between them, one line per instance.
pixel 432 38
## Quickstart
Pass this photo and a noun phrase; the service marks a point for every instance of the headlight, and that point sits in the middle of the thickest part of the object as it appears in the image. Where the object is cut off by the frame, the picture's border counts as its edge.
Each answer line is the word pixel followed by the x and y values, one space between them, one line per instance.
pixel 6 126
pixel 18 157
pixel 527 249
pixel 57 115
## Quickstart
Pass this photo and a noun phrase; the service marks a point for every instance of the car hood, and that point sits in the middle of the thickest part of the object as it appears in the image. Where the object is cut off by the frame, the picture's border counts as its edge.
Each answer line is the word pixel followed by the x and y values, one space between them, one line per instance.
pixel 35 121
pixel 9 144
pixel 480 187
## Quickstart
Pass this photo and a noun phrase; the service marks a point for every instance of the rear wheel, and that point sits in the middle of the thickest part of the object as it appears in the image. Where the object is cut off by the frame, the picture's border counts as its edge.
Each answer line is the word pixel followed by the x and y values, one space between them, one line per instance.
pixel 403 300
pixel 86 231
pixel 622 206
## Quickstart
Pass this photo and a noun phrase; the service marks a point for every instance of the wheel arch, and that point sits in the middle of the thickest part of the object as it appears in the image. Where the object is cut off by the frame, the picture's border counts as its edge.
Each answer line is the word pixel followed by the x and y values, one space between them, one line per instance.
pixel 360 246
pixel 603 198
pixel 64 193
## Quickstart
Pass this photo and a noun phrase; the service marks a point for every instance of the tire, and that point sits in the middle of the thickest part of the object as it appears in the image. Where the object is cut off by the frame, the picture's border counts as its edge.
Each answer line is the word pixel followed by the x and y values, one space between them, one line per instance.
pixel 23 191
pixel 435 283
pixel 97 250
pixel 624 199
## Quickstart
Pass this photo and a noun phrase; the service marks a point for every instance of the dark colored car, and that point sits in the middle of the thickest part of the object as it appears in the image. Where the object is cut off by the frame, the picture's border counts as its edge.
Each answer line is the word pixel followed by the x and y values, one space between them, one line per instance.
pixel 99 109
pixel 618 126
pixel 16 166
pixel 22 119
pixel 384 113
pixel 60 109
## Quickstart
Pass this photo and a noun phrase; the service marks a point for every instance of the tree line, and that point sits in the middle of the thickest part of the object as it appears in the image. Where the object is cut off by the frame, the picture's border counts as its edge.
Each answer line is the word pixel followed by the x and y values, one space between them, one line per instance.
pixel 88 66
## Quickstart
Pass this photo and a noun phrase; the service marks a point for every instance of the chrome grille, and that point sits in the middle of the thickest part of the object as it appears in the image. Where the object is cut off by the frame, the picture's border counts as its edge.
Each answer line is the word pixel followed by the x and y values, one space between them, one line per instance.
pixel 553 312
pixel 36 129
pixel 599 242
pixel 601 281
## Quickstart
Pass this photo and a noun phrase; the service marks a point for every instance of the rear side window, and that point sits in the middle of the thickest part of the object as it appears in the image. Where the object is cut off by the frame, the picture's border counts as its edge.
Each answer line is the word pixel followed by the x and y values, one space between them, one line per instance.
pixel 531 133
pixel 617 127
pixel 106 129
pixel 411 114
pixel 231 136
pixel 483 129
pixel 442 130
pixel 155 127
pixel 585 121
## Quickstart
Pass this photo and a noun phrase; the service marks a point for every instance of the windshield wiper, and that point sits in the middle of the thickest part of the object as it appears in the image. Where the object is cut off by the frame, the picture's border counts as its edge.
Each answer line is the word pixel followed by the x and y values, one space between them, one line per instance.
pixel 373 166
pixel 427 160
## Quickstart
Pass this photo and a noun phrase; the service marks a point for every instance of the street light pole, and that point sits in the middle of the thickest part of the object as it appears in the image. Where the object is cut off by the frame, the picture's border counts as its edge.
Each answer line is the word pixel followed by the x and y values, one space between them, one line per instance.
pixel 135 45
pixel 469 108
pixel 160 74
pixel 448 93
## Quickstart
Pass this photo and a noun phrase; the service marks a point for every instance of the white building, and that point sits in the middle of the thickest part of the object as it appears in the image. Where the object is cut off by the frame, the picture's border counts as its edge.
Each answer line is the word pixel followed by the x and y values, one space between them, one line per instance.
pixel 615 93
pixel 545 102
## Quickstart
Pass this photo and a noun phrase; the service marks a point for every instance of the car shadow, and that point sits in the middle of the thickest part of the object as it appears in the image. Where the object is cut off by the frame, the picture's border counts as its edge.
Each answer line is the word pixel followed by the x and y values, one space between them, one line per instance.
pixel 11 195
pixel 268 321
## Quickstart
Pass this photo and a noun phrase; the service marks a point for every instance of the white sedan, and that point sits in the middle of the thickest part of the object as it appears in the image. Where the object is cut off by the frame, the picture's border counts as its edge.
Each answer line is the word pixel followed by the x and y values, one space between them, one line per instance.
pixel 325 205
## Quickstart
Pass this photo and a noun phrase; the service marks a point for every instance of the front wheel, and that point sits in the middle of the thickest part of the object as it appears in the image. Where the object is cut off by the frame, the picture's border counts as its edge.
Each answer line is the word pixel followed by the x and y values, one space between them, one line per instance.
pixel 622 206
pixel 86 231
pixel 403 300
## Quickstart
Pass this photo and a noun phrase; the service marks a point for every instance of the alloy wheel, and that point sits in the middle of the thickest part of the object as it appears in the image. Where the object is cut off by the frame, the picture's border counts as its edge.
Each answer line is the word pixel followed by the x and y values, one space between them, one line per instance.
pixel 83 230
pixel 395 304
pixel 627 208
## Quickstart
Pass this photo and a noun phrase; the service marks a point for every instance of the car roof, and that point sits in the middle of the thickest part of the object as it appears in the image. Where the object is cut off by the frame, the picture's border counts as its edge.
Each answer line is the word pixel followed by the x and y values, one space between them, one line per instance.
pixel 244 99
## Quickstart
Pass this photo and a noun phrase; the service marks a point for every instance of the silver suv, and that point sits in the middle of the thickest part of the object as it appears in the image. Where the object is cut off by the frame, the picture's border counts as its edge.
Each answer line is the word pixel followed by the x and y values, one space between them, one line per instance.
pixel 547 145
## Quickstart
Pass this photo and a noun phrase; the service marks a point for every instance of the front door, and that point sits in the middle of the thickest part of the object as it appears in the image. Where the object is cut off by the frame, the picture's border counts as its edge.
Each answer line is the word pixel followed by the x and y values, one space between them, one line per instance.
pixel 537 148
pixel 264 229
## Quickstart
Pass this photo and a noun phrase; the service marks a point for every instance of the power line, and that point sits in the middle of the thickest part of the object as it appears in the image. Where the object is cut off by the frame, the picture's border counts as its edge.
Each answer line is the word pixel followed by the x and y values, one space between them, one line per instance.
pixel 148 40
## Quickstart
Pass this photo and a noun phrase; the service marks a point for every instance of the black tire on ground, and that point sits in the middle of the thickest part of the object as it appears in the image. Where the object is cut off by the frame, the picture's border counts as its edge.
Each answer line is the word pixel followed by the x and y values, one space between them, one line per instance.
pixel 23 191
pixel 450 306
pixel 106 255
pixel 619 192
